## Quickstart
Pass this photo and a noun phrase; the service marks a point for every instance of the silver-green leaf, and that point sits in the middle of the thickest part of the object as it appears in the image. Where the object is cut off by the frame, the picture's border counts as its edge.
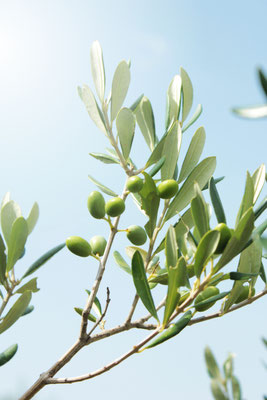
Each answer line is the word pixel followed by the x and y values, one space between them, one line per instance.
pixel 120 85
pixel 98 70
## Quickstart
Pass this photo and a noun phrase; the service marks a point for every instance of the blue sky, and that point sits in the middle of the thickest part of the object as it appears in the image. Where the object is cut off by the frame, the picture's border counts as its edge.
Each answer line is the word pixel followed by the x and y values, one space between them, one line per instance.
pixel 45 138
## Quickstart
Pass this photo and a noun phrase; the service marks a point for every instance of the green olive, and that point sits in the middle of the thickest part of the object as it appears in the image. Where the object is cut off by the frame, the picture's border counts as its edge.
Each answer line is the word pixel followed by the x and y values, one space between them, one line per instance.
pixel 136 235
pixel 115 207
pixel 96 205
pixel 210 291
pixel 78 246
pixel 244 294
pixel 98 245
pixel 134 184
pixel 167 189
pixel 226 235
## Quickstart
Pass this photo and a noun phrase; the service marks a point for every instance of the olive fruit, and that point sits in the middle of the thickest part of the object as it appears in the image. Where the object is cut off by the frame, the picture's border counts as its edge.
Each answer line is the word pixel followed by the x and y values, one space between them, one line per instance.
pixel 226 235
pixel 210 291
pixel 244 294
pixel 78 246
pixel 115 207
pixel 96 204
pixel 167 189
pixel 136 235
pixel 98 245
pixel 134 184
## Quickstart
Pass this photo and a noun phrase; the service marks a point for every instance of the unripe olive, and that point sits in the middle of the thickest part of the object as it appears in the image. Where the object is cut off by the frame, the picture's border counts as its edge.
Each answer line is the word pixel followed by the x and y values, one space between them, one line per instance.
pixel 206 294
pixel 134 184
pixel 78 246
pixel 244 294
pixel 98 245
pixel 167 189
pixel 136 235
pixel 226 235
pixel 115 207
pixel 96 204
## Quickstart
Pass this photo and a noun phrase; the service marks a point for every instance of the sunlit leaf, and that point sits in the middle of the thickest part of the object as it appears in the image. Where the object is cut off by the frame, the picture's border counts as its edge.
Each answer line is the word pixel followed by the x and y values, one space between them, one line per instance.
pixel 205 250
pixel 247 200
pixel 156 154
pixel 16 243
pixel 120 85
pixel 141 284
pixel 130 250
pixel 212 366
pixel 136 103
pixel 31 285
pixel 102 187
pixel 172 294
pixel 125 123
pixel 218 391
pixel 145 119
pixel 171 149
pixel 97 68
pixel 105 158
pixel 200 174
pixel 9 213
pixel 16 311
pixel 199 212
pixel 187 90
pixel 121 262
pixel 258 179
pixel 92 107
pixel 193 153
pixel 173 101
pixel 171 248
pixel 228 366
pixel 252 112
pixel 42 260
pixel 236 389
pixel 194 117
pixel 2 260
pixel 32 217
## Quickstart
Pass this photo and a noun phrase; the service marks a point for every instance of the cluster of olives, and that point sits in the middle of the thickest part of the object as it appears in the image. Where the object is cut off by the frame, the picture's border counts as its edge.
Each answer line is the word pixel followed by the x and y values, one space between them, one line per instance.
pixel 80 247
pixel 98 208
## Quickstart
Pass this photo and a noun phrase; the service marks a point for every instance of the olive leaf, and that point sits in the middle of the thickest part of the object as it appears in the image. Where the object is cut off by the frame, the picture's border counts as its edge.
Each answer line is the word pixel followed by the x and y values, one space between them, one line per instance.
pixel 145 119
pixel 102 187
pixel 28 310
pixel 96 304
pixel 16 311
pixel 258 179
pixel 6 355
pixel 105 158
pixel 157 166
pixel 121 262
pixel 92 107
pixel 251 112
pixel 141 284
pixel 120 85
pixel 236 389
pixel 205 250
pixel 187 90
pixel 212 366
pixel 9 213
pixel 218 391
pixel 200 174
pixel 212 299
pixel 125 123
pixel 193 153
pixel 42 260
pixel 247 200
pixel 31 285
pixel 263 80
pixel 79 311
pixel 156 154
pixel 16 243
pixel 2 260
pixel 199 211
pixel 171 248
pixel 171 149
pixel 216 202
pixel 173 101
pixel 172 294
pixel 194 117
pixel 136 103
pixel 33 217
pixel 98 70
pixel 149 203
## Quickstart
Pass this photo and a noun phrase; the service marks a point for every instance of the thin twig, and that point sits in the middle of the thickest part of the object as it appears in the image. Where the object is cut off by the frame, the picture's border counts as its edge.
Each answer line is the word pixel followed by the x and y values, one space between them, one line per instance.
pixel 102 316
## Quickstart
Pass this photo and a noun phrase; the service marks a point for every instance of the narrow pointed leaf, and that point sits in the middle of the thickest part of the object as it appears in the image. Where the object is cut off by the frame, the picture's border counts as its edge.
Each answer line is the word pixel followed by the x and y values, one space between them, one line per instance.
pixel 28 310
pixel 173 330
pixel 136 103
pixel 247 200
pixel 251 112
pixel 102 187
pixel 199 212
pixel 16 311
pixel 194 117
pixel 156 154
pixel 97 304
pixel 125 123
pixel 9 213
pixel 258 179
pixel 32 217
pixel 171 149
pixel 92 107
pixel 120 85
pixel 171 248
pixel 183 279
pixel 262 273
pixel 216 202
pixel 145 119
pixel 200 174
pixel 213 299
pixel 238 240
pixel 121 262
pixel 31 285
pixel 79 311
pixel 205 250
pixel 216 180
pixel 141 284
pixel 130 250
pixel 228 366
pixel 187 90
pixel 193 153
pixel 236 390
pixel 173 101
pixel 6 355
pixel 263 80
pixel 17 240
pixel 212 366
pixel 150 203
pixel 217 390
pixel 6 199
pixel 172 294
pixel 241 276
pixel 97 68
pixel 105 158
pixel 42 260
pixel 2 260
pixel 161 278
pixel 157 166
